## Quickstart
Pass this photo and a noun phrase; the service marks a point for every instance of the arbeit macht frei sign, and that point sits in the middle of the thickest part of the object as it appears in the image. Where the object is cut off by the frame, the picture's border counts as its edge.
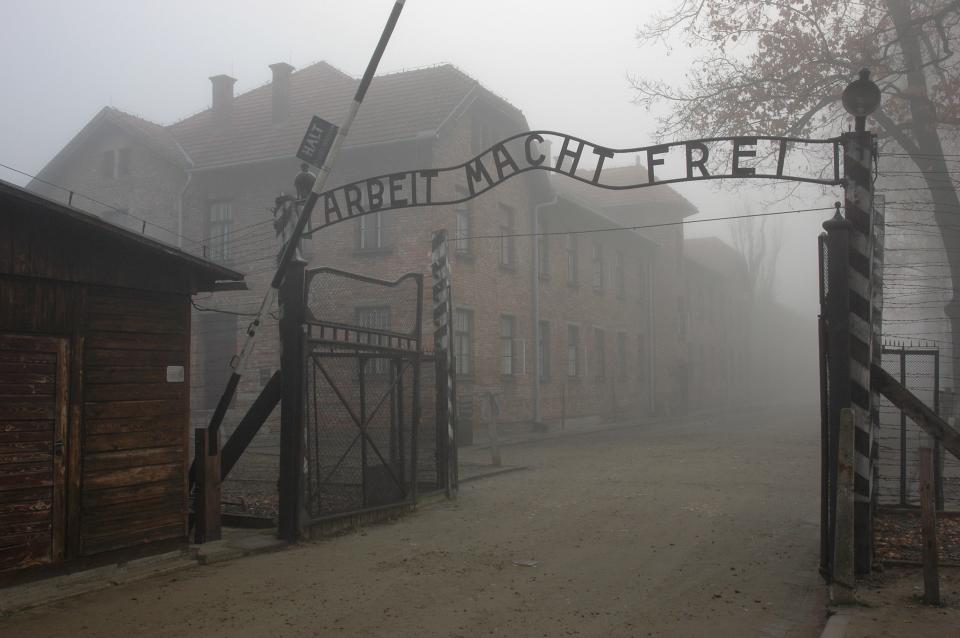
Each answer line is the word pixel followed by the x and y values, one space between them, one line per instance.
pixel 784 158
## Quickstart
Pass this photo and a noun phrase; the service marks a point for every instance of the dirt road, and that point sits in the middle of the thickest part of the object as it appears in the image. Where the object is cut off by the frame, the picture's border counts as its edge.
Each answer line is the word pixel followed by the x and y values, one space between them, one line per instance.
pixel 706 527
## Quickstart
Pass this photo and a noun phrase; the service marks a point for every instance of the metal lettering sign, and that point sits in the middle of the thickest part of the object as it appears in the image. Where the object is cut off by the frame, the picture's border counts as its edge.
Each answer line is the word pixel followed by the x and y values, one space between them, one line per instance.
pixel 317 141
pixel 781 158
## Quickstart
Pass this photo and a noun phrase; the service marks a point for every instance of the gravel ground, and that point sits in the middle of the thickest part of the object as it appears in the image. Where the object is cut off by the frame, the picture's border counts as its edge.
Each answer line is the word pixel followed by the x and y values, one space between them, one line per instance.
pixel 707 527
pixel 897 536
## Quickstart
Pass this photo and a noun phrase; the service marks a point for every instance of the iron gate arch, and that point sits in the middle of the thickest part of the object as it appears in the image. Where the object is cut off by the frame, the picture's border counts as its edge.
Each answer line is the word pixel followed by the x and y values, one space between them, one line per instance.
pixel 363 354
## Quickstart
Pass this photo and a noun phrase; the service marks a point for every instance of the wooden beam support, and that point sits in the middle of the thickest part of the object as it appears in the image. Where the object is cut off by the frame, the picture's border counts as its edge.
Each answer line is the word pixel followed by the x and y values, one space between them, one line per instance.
pixel 931 423
pixel 250 424
pixel 207 451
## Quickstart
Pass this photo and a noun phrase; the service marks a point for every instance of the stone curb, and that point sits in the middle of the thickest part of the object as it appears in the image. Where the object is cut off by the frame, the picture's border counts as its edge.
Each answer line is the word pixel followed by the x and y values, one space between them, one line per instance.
pixel 50 590
pixel 836 626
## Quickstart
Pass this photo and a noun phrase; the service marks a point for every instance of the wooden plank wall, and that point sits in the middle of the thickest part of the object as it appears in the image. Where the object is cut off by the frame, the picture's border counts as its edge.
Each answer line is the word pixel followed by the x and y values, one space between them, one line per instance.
pixel 135 421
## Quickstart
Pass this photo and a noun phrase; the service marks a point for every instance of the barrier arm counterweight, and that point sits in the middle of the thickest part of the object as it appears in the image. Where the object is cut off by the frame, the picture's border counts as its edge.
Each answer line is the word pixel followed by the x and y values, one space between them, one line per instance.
pixel 289 250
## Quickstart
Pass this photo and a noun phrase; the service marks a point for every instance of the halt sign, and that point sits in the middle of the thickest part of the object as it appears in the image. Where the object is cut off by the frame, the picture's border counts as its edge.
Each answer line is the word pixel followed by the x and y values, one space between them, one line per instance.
pixel 317 141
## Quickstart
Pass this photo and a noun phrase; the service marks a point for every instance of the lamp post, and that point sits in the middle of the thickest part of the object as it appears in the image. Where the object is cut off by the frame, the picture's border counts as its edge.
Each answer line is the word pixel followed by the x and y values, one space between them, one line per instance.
pixel 860 99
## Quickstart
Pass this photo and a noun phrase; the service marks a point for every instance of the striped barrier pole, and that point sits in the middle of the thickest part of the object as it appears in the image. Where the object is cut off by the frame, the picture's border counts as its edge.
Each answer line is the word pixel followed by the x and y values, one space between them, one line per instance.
pixel 858 159
pixel 442 321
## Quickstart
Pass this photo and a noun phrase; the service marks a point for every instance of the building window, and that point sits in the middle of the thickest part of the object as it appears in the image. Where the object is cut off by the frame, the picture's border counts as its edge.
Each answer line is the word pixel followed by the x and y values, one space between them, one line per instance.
pixel 600 352
pixel 463 341
pixel 622 355
pixel 571 259
pixel 543 353
pixel 543 251
pixel 506 230
pixel 597 265
pixel 573 351
pixel 463 225
pixel 372 232
pixel 219 230
pixel 508 345
pixel 618 276
pixel 115 163
pixel 376 318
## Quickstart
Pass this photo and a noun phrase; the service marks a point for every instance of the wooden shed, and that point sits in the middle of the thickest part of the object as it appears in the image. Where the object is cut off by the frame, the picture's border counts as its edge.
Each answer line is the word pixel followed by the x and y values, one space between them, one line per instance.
pixel 94 384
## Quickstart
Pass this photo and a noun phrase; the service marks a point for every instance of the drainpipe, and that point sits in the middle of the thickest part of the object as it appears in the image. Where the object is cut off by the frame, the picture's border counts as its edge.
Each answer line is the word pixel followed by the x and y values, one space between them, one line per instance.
pixel 535 293
pixel 183 192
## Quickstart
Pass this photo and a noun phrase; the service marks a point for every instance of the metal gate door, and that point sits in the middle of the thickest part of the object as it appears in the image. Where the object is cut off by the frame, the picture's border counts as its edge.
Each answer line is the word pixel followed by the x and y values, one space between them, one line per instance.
pixel 363 361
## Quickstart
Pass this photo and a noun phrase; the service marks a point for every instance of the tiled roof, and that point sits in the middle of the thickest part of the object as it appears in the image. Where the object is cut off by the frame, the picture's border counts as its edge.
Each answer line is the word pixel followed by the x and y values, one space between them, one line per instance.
pixel 153 134
pixel 663 198
pixel 398 106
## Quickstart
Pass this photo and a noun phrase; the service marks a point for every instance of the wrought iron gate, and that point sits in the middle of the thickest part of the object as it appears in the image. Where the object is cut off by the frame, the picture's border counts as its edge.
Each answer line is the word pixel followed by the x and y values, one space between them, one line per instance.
pixel 363 393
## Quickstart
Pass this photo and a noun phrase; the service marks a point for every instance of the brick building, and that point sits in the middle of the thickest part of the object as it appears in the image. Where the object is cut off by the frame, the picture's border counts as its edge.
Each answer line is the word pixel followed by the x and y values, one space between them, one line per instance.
pixel 661 210
pixel 718 290
pixel 594 326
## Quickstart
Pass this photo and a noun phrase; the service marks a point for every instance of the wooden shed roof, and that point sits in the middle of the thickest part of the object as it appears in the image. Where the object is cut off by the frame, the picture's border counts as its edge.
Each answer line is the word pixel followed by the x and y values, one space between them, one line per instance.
pixel 19 202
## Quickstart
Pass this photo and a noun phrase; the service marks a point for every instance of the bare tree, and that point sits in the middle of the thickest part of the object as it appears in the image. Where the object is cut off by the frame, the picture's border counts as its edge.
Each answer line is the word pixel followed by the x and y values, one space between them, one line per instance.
pixel 778 67
pixel 760 246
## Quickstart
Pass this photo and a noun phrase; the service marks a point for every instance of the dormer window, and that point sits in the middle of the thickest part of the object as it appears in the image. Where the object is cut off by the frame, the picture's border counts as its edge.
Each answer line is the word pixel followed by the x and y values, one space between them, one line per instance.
pixel 115 163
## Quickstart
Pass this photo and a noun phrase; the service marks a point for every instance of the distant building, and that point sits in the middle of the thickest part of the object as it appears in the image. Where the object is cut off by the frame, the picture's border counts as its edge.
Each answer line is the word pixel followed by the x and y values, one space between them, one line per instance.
pixel 659 213
pixel 718 320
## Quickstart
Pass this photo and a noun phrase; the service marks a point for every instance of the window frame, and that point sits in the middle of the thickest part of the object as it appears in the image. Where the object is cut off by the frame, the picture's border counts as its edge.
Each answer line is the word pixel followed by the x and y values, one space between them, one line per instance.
pixel 600 352
pixel 462 238
pixel 464 365
pixel 508 345
pixel 543 354
pixel 574 345
pixel 596 260
pixel 573 275
pixel 218 245
pixel 380 365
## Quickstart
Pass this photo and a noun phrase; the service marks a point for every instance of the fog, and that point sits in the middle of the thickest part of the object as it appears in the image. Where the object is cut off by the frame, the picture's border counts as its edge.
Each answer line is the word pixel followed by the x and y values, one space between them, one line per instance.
pixel 564 64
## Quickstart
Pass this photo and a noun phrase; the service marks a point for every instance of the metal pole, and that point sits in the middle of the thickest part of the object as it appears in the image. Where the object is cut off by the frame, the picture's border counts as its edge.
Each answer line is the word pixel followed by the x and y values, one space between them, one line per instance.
pixel 903 431
pixel 937 448
pixel 239 362
pixel 362 362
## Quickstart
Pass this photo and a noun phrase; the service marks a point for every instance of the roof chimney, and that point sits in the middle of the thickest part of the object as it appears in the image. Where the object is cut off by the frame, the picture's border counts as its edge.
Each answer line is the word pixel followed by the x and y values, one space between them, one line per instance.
pixel 281 91
pixel 222 96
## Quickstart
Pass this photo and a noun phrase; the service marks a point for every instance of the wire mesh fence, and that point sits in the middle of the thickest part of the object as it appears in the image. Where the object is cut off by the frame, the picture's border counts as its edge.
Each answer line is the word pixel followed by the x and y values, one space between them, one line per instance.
pixel 898 466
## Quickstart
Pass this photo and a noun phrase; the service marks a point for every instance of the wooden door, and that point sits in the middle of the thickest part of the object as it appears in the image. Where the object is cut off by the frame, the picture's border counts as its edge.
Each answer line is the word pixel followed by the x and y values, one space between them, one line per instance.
pixel 33 418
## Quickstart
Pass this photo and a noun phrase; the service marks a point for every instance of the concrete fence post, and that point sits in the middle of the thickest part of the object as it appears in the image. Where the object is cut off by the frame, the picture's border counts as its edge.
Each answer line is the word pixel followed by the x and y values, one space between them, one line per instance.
pixel 844 579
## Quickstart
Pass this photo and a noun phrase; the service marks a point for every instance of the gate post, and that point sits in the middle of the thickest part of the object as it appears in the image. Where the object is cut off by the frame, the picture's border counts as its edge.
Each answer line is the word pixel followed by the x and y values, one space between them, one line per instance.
pixel 207 501
pixel 292 431
pixel 836 316
pixel 443 347
pixel 858 205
